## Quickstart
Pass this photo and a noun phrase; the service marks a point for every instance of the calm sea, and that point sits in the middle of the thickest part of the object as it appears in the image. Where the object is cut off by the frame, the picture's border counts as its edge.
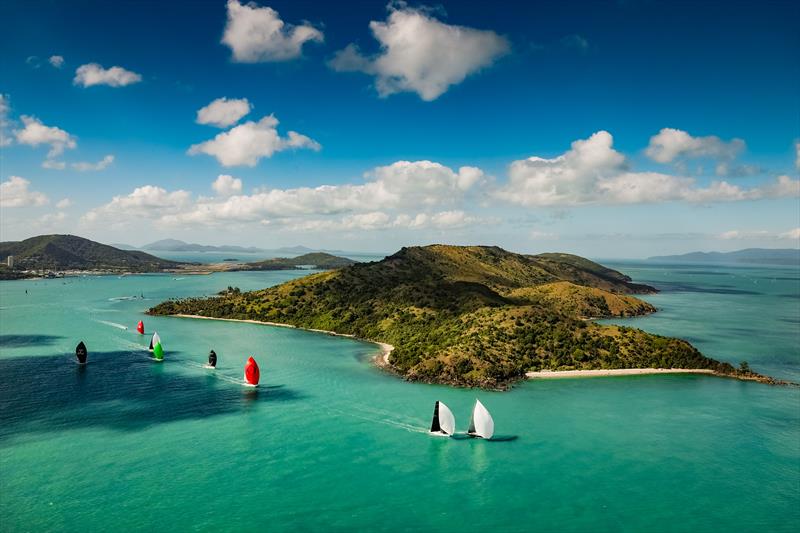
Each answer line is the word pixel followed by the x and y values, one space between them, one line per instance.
pixel 329 443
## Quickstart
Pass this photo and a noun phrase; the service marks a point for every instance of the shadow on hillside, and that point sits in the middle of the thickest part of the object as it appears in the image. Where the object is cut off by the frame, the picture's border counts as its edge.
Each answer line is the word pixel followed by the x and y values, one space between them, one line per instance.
pixel 16 341
pixel 119 390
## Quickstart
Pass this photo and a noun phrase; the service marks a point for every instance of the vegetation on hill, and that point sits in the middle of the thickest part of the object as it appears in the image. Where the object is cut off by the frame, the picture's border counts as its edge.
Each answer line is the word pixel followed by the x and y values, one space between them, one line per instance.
pixel 68 252
pixel 319 260
pixel 469 316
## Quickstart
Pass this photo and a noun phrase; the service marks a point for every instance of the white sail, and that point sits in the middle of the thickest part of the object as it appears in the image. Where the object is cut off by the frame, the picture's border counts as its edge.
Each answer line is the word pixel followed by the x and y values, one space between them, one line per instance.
pixel 156 340
pixel 481 423
pixel 444 423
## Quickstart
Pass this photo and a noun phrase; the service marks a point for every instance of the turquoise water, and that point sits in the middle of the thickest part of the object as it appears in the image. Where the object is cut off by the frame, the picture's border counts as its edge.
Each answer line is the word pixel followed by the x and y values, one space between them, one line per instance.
pixel 329 443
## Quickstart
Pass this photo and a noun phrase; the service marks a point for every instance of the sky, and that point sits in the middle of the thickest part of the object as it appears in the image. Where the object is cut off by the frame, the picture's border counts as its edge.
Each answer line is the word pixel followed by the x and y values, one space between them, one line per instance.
pixel 617 129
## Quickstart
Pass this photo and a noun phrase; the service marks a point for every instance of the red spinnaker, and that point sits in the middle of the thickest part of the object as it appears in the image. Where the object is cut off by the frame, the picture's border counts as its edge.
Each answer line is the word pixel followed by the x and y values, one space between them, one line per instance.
pixel 251 372
pixel 140 327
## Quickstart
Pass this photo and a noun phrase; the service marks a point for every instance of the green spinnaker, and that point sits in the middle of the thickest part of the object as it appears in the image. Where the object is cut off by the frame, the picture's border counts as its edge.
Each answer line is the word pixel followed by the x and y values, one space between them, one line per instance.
pixel 158 351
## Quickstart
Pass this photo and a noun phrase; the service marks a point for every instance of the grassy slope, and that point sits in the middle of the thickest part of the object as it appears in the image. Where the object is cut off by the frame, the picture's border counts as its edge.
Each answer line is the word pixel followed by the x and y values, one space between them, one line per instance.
pixel 63 252
pixel 470 316
pixel 320 260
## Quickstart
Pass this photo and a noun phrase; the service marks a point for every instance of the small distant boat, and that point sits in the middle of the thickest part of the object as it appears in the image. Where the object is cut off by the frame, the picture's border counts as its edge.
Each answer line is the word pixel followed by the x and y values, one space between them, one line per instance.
pixel 480 423
pixel 212 359
pixel 251 372
pixel 81 353
pixel 140 327
pixel 158 352
pixel 444 423
pixel 153 341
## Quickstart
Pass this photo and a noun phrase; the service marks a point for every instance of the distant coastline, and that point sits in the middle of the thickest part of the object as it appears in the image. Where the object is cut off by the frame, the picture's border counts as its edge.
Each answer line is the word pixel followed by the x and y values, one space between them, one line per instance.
pixel 555 374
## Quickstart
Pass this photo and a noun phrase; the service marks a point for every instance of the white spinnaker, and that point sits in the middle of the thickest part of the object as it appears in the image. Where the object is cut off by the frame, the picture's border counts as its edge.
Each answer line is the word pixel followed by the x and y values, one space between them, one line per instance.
pixel 446 419
pixel 481 423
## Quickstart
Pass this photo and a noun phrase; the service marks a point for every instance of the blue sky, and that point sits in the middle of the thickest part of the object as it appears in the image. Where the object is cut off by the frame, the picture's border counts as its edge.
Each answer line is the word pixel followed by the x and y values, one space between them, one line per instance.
pixel 609 129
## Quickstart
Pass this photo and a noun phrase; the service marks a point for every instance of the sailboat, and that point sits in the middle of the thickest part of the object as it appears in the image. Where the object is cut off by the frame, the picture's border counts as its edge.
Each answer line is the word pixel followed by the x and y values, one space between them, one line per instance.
pixel 81 353
pixel 155 340
pixel 444 423
pixel 251 372
pixel 158 351
pixel 212 359
pixel 140 327
pixel 480 423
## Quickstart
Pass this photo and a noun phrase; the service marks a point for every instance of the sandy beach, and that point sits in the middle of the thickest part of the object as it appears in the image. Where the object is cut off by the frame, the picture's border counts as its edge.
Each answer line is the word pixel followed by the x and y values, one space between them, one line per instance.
pixel 382 359
pixel 550 374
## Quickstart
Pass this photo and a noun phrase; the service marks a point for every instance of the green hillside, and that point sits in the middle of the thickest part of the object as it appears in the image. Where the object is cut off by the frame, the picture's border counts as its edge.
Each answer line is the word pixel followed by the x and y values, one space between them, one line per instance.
pixel 468 316
pixel 319 260
pixel 69 252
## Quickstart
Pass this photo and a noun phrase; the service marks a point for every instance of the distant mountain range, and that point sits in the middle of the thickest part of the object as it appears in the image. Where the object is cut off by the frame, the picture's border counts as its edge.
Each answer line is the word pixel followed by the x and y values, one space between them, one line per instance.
pixel 69 252
pixel 757 256
pixel 175 245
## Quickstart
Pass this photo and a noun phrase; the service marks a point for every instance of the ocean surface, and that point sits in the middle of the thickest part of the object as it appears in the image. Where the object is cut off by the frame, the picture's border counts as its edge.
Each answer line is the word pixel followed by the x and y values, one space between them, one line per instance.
pixel 330 443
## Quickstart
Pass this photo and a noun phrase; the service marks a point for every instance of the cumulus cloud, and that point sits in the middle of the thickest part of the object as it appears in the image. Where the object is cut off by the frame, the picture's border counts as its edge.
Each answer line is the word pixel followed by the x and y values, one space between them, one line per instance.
pixel 146 201
pixel 592 172
pixel 87 167
pixel 52 164
pixel 56 61
pixel 257 34
pixel 792 234
pixel 379 220
pixel 94 74
pixel 35 133
pixel 16 193
pixel 223 112
pixel 226 185
pixel 421 54
pixel 671 144
pixel 404 185
pixel 247 143
pixel 64 203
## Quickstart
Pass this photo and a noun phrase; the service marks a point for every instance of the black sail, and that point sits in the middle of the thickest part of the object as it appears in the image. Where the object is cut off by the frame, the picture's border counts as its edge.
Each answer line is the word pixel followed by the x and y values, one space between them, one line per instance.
pixel 435 424
pixel 212 358
pixel 81 353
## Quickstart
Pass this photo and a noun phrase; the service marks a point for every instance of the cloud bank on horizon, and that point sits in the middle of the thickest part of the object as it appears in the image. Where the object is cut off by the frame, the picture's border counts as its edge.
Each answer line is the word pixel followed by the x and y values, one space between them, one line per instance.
pixel 415 58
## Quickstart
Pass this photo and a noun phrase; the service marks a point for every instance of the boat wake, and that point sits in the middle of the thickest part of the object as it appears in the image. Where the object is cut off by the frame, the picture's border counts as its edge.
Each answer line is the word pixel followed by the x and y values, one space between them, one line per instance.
pixel 112 324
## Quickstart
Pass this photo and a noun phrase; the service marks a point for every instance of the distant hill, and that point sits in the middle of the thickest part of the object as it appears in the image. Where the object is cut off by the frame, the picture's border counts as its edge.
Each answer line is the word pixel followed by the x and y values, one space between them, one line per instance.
pixel 175 245
pixel 122 246
pixel 318 260
pixel 754 256
pixel 469 315
pixel 69 252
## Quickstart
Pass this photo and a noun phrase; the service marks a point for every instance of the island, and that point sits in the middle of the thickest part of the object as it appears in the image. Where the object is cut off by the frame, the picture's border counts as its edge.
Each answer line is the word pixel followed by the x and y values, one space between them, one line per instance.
pixel 58 255
pixel 471 316
pixel 751 256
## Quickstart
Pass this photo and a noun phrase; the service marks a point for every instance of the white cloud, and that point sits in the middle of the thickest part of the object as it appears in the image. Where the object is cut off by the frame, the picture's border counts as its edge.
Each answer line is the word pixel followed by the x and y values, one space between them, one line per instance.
pixel 64 203
pixel 52 164
pixel 401 185
pixel 247 143
pixel 147 201
pixel 792 234
pixel 226 185
pixel 35 133
pixel 421 54
pixel 592 172
pixel 223 112
pixel 94 74
pixel 378 220
pixel 257 34
pixel 671 144
pixel 15 193
pixel 87 167
pixel 56 61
